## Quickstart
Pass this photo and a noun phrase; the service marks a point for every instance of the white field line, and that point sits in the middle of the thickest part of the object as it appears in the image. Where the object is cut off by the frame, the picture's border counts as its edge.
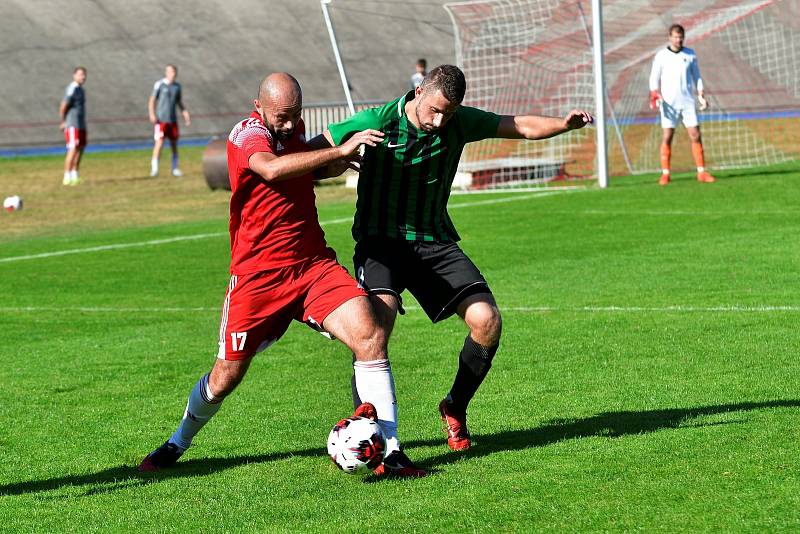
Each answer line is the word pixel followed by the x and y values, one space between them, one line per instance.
pixel 155 242
pixel 676 213
pixel 115 246
pixel 643 309
pixel 518 309
pixel 468 192
pixel 504 199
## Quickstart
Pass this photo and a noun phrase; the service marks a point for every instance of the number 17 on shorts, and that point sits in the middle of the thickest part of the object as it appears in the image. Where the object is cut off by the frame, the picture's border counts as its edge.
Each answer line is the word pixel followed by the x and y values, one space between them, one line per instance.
pixel 237 340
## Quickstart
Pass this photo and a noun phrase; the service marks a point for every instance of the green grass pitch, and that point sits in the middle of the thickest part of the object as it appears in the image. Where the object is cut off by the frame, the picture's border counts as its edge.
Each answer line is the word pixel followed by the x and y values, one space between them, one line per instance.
pixel 648 377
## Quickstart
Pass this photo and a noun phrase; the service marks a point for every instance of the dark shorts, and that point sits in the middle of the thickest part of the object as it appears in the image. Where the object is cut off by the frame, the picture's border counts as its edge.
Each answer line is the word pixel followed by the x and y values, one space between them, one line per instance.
pixel 439 275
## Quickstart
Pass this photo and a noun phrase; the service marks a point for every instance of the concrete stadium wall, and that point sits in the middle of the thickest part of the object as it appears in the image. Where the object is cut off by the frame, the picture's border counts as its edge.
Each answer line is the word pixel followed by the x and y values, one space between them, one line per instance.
pixel 222 49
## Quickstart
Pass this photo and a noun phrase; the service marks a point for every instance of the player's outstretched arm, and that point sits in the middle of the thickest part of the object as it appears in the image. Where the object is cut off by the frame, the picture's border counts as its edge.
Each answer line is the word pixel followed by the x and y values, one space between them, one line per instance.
pixel 540 127
pixel 273 168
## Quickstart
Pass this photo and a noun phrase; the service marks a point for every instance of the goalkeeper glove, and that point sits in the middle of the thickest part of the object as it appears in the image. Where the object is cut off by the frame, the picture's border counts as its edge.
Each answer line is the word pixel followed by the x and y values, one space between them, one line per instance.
pixel 655 98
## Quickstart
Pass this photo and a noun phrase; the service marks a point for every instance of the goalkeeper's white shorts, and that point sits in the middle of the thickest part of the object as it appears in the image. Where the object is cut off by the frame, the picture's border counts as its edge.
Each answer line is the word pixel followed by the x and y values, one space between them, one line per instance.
pixel 671 115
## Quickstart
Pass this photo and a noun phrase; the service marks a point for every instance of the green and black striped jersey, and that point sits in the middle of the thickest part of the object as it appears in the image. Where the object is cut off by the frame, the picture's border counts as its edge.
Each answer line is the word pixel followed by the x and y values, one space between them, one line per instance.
pixel 405 182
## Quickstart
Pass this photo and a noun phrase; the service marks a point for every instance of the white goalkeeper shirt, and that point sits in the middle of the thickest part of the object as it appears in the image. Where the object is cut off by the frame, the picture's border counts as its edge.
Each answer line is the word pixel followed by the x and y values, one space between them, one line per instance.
pixel 676 74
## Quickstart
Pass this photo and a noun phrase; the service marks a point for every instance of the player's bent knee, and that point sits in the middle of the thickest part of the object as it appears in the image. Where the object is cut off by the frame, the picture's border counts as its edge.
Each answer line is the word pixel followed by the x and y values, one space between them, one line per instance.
pixel 385 308
pixel 485 324
pixel 371 346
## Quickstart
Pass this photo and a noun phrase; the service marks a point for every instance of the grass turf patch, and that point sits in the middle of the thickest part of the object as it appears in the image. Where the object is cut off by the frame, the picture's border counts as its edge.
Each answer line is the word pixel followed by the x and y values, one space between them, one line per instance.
pixel 647 377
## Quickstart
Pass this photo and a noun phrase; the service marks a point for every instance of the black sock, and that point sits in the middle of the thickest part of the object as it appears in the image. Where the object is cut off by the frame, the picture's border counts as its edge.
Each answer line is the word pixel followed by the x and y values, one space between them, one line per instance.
pixel 474 363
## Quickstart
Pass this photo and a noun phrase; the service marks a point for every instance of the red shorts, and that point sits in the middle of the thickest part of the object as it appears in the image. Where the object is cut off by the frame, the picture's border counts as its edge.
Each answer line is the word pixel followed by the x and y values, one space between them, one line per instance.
pixel 259 307
pixel 167 130
pixel 74 137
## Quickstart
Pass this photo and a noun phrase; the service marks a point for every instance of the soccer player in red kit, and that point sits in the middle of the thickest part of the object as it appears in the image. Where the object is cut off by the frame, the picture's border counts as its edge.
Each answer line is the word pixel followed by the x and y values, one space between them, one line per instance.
pixel 282 270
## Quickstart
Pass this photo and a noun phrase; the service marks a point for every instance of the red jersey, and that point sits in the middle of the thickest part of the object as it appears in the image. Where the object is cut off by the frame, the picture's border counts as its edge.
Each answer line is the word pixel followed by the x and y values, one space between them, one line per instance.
pixel 272 224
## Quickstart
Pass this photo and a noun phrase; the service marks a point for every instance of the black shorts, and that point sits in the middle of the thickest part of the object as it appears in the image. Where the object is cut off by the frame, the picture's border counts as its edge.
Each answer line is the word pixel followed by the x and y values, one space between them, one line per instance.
pixel 439 275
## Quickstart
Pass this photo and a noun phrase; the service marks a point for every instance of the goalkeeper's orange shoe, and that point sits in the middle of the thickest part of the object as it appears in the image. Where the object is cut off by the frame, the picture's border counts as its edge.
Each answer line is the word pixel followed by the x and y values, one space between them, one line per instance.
pixel 705 177
pixel 664 180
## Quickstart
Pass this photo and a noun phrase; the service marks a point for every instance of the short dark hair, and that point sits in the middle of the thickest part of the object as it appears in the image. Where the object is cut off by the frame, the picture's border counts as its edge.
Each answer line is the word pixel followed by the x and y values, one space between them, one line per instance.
pixel 79 68
pixel 173 67
pixel 449 80
pixel 422 62
pixel 677 28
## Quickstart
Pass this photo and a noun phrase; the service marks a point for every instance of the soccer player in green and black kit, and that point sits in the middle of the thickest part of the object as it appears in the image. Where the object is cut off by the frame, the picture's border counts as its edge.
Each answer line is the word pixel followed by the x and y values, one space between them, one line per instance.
pixel 404 236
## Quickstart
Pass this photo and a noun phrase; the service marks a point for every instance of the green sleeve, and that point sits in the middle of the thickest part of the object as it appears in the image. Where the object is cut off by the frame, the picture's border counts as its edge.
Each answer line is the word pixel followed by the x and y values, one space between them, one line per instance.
pixel 477 124
pixel 363 120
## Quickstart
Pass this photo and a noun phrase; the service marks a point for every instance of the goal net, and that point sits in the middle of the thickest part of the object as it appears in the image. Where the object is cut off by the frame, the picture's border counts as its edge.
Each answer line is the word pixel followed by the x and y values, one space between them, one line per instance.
pixel 535 57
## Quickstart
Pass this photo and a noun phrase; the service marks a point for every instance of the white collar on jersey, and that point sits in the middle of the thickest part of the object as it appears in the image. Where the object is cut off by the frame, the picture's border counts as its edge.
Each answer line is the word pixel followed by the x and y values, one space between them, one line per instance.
pixel 402 102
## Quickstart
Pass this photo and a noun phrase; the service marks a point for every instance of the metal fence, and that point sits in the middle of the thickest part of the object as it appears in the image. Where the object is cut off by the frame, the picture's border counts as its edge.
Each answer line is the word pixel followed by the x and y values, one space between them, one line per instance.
pixel 316 116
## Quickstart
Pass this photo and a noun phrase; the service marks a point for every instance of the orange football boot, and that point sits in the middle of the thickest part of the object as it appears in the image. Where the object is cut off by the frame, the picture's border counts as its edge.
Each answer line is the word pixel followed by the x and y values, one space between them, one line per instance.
pixel 705 177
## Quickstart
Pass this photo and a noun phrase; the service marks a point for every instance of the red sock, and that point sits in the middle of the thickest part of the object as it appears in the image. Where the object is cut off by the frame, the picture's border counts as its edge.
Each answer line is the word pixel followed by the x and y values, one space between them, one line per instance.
pixel 697 152
pixel 666 153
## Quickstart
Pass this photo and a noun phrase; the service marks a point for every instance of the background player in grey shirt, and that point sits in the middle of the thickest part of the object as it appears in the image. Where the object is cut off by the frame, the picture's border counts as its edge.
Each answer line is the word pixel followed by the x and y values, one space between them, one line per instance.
pixel 73 124
pixel 421 69
pixel 162 107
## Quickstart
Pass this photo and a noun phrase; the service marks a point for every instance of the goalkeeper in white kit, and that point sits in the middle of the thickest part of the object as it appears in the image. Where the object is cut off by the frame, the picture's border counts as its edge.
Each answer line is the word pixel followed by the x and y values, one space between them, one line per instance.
pixel 673 80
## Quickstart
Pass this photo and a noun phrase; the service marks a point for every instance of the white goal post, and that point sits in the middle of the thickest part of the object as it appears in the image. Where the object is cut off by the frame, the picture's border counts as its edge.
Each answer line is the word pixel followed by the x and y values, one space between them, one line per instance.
pixel 536 57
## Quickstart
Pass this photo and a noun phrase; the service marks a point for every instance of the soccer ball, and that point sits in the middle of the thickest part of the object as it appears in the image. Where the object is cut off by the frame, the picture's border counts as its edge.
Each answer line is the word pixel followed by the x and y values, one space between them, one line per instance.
pixel 12 203
pixel 356 445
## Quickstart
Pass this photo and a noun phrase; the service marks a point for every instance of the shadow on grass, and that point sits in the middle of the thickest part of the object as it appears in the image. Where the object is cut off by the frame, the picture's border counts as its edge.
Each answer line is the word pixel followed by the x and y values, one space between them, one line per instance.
pixel 125 476
pixel 608 424
pixel 749 173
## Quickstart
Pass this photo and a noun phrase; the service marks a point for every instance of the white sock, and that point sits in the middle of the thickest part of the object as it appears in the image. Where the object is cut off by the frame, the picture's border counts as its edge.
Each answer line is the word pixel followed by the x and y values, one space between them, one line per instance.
pixel 201 407
pixel 664 171
pixel 153 166
pixel 701 169
pixel 67 176
pixel 354 391
pixel 375 384
pixel 174 161
pixel 73 174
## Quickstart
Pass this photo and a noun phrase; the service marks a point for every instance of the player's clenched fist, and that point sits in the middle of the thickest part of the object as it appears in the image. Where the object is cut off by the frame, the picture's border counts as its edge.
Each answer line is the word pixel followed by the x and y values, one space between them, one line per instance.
pixel 366 137
pixel 577 119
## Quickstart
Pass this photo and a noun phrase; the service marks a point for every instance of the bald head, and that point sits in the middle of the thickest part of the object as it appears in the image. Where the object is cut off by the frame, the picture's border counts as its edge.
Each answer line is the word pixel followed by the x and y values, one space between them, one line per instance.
pixel 279 103
pixel 280 88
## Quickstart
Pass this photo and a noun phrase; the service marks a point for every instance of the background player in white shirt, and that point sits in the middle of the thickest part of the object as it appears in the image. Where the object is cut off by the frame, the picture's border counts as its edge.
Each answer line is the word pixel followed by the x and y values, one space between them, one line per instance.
pixel 673 80
pixel 162 107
